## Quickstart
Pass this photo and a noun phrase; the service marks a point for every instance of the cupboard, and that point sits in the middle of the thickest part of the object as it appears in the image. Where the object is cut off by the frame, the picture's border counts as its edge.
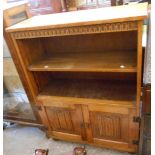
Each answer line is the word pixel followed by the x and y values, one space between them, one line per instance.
pixel 83 70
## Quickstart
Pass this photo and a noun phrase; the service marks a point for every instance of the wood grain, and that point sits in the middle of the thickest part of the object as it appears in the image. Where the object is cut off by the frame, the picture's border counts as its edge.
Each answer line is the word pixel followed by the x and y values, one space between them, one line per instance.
pixel 66 136
pixel 109 123
pixel 122 146
pixel 133 129
pixel 100 42
pixel 67 120
pixel 139 65
pixel 94 62
pixel 70 31
pixel 84 70
pixel 88 127
pixel 106 126
pixel 91 89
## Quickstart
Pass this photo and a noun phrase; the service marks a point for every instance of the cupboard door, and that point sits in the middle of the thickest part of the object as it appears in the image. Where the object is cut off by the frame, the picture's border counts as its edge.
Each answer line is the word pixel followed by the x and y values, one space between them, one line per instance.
pixel 64 121
pixel 109 126
pixel 112 127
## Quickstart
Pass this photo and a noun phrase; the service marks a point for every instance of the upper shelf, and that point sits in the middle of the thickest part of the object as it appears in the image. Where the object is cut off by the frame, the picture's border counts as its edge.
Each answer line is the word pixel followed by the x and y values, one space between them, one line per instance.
pixel 84 17
pixel 112 61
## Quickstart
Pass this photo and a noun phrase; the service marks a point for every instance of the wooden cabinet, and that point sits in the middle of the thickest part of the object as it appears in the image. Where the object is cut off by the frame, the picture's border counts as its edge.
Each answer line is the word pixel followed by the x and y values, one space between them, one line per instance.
pixel 64 121
pixel 84 71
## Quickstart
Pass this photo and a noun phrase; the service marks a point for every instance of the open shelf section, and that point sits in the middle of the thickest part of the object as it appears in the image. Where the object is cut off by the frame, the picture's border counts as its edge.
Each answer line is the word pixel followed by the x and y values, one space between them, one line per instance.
pixel 112 61
pixel 115 91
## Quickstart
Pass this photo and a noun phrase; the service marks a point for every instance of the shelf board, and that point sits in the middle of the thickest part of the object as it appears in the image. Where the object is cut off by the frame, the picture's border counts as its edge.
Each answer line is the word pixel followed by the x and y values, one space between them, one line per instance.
pixel 120 92
pixel 112 61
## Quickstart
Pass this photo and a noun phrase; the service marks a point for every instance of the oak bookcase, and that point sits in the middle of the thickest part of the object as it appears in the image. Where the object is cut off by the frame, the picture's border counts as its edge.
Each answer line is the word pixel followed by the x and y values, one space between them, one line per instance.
pixel 83 69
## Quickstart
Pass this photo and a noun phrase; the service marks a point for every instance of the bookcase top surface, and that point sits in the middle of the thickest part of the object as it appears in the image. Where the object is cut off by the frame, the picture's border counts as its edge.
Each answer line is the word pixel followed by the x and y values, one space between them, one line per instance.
pixel 84 17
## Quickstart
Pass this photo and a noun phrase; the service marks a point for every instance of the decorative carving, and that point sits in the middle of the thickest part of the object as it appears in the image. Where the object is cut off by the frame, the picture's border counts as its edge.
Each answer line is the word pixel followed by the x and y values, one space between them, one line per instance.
pixel 60 119
pixel 109 126
pixel 87 29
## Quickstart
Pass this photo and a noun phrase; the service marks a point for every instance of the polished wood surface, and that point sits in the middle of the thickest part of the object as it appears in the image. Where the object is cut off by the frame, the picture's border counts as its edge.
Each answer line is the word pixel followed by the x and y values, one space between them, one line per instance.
pixel 62 54
pixel 85 73
pixel 107 126
pixel 139 64
pixel 84 17
pixel 94 62
pixel 65 120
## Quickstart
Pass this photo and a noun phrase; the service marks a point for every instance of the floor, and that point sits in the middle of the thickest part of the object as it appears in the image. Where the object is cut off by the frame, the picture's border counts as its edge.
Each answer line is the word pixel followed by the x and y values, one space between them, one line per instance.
pixel 21 140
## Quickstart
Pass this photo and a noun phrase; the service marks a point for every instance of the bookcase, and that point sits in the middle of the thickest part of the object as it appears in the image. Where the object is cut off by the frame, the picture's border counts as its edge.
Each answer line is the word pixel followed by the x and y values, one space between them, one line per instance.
pixel 83 70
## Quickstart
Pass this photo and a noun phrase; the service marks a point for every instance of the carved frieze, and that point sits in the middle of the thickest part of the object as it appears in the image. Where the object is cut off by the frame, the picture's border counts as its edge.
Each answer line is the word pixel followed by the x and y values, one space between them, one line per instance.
pixel 86 29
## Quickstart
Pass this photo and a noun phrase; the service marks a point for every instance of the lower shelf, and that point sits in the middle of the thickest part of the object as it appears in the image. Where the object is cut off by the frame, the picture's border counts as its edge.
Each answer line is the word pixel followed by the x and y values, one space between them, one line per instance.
pixel 113 91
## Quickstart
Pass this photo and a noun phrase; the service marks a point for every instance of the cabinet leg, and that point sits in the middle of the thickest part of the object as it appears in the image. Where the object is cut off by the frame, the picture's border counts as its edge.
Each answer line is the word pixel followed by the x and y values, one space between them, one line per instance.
pixel 47 135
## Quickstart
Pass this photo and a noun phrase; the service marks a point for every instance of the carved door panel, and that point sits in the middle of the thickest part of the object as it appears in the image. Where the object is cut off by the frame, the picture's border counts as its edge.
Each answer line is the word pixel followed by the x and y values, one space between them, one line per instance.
pixel 65 122
pixel 109 126
pixel 112 127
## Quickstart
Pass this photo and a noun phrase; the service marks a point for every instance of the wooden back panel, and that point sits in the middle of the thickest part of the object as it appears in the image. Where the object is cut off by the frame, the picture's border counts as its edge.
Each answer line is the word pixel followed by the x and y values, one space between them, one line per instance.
pixel 92 43
pixel 86 75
